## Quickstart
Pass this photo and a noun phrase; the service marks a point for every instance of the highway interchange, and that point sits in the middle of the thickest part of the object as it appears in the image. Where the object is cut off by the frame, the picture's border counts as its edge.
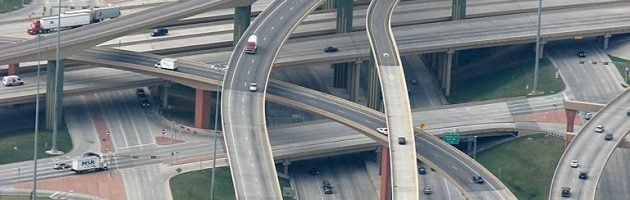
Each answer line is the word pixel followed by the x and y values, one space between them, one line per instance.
pixel 154 62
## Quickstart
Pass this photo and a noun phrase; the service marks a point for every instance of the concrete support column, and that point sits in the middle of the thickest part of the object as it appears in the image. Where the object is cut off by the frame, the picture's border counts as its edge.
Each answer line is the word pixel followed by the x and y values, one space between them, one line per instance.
pixel 469 148
pixel 203 109
pixel 570 119
pixel 449 66
pixel 444 65
pixel 568 137
pixel 355 87
pixel 285 166
pixel 50 95
pixel 164 95
pixel 542 47
pixel 344 25
pixel 13 69
pixel 328 4
pixel 242 18
pixel 458 10
pixel 374 86
pixel 606 38
pixel 385 175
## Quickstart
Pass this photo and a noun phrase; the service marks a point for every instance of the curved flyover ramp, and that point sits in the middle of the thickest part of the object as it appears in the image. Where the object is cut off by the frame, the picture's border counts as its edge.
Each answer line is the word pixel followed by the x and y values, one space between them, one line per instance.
pixel 592 151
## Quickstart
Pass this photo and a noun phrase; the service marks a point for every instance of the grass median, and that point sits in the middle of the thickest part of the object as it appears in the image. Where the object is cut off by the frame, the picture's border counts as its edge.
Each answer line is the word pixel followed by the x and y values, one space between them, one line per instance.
pixel 11 5
pixel 196 185
pixel 18 146
pixel 503 72
pixel 21 198
pixel 525 165
pixel 621 65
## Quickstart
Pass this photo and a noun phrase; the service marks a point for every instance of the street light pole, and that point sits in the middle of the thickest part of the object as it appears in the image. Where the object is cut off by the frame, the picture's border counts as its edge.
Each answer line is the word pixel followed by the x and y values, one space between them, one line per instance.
pixel 216 127
pixel 36 120
pixel 474 147
pixel 536 63
pixel 627 73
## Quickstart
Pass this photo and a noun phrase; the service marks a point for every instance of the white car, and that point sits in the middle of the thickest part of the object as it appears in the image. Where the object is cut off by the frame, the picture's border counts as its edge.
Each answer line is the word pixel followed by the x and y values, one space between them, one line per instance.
pixel 383 131
pixel 575 164
pixel 253 87
pixel 599 129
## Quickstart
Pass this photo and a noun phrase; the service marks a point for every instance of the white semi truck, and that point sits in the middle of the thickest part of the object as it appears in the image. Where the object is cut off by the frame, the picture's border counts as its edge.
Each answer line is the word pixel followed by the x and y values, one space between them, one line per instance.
pixel 88 164
pixel 72 19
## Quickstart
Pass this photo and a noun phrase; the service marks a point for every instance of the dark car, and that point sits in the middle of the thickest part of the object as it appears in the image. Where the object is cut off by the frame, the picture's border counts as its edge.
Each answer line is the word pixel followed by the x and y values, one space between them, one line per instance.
pixel 566 191
pixel 422 170
pixel 140 92
pixel 402 140
pixel 314 171
pixel 61 166
pixel 581 54
pixel 331 50
pixel 583 175
pixel 609 136
pixel 477 179
pixel 144 102
pixel 159 32
pixel 327 187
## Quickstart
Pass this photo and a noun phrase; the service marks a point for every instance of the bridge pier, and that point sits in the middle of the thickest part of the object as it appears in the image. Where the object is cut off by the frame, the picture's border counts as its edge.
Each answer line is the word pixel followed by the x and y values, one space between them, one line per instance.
pixel 285 166
pixel 542 47
pixel 355 87
pixel 13 69
pixel 458 10
pixel 164 94
pixel 54 104
pixel 386 174
pixel 569 134
pixel 449 66
pixel 344 25
pixel 328 4
pixel 374 87
pixel 242 18
pixel 606 38
pixel 203 108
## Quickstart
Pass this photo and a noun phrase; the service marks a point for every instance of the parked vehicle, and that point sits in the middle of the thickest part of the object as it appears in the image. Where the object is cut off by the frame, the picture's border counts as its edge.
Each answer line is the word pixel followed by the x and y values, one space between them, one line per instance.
pixel 88 164
pixel 167 63
pixel 252 45
pixel 12 80
pixel 72 19
pixel 402 140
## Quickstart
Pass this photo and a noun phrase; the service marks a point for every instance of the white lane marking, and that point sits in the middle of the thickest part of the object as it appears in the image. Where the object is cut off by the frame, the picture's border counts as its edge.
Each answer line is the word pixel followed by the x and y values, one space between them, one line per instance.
pixel 273 27
pixel 253 60
pixel 448 191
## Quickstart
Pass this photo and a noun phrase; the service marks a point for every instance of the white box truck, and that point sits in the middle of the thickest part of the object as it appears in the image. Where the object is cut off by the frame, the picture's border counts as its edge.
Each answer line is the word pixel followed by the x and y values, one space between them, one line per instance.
pixel 88 164
pixel 167 63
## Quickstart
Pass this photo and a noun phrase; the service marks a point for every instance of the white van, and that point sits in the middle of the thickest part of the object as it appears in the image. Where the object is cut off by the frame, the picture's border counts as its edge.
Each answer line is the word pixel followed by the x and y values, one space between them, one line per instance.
pixel 12 80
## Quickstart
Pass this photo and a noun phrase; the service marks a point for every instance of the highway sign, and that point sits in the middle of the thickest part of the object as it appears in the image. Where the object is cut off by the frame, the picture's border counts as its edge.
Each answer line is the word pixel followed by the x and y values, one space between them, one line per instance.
pixel 451 137
pixel 422 126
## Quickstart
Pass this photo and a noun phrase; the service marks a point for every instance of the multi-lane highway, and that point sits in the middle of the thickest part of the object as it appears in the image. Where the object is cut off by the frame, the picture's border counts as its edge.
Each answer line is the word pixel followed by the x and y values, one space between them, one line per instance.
pixel 243 110
pixel 404 179
pixel 91 35
pixel 591 150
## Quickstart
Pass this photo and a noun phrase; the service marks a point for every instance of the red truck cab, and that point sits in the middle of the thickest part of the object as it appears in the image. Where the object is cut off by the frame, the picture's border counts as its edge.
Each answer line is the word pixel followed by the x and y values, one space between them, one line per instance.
pixel 251 45
pixel 34 28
